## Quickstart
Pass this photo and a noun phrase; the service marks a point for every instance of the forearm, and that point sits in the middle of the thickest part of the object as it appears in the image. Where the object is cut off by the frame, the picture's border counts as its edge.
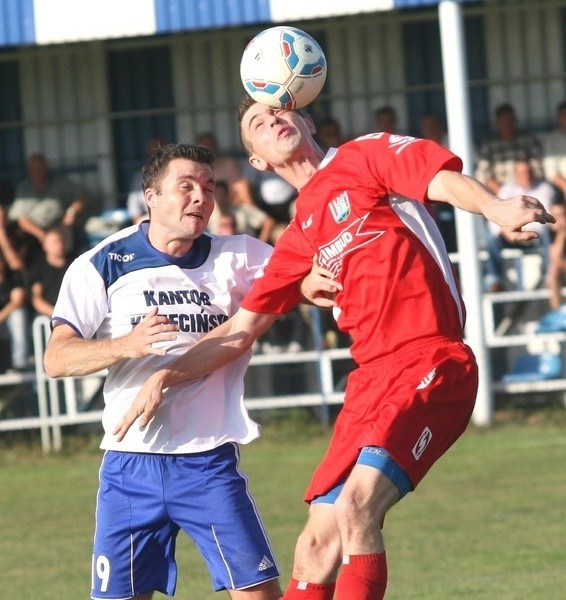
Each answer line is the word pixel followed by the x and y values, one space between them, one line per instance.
pixel 461 192
pixel 75 356
pixel 222 345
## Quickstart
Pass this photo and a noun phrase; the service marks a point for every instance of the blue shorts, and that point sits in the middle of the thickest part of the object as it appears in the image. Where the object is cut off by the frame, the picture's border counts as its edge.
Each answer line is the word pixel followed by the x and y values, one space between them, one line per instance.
pixel 144 499
pixel 372 456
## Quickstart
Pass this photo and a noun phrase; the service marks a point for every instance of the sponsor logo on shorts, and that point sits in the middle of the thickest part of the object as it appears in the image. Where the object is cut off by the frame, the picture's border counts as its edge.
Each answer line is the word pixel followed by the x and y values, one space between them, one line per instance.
pixel 427 380
pixel 265 564
pixel 422 443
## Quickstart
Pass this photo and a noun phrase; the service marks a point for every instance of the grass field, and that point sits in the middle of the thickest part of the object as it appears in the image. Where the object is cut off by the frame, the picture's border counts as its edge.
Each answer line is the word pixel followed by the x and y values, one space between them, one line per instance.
pixel 488 523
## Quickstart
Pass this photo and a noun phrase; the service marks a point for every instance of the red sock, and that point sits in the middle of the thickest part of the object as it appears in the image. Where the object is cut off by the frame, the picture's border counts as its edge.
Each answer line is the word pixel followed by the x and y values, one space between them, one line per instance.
pixel 302 590
pixel 363 577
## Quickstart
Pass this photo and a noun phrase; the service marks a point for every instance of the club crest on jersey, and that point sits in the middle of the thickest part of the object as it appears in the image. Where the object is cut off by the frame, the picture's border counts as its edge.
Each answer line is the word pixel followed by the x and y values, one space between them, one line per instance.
pixel 340 207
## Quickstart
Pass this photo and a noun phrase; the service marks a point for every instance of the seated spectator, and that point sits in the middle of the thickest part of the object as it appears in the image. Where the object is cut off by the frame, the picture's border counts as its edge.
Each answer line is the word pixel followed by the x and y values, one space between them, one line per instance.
pixel 499 153
pixel 227 169
pixel 557 253
pixel 385 119
pixel 525 183
pixel 554 145
pixel 46 274
pixel 17 320
pixel 45 200
pixel 135 204
pixel 226 224
pixel 276 199
pixel 432 128
pixel 329 133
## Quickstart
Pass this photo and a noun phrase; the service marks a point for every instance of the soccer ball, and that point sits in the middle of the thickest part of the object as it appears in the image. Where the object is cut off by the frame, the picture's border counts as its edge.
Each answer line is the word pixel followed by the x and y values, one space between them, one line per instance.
pixel 283 67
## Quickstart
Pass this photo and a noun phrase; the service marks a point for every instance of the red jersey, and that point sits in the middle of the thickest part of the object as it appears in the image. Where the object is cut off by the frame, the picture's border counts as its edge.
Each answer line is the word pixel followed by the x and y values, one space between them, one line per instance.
pixel 364 215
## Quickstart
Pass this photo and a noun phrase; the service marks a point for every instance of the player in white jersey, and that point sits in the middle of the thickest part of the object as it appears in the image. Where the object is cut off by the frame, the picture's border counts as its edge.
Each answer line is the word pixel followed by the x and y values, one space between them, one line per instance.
pixel 131 305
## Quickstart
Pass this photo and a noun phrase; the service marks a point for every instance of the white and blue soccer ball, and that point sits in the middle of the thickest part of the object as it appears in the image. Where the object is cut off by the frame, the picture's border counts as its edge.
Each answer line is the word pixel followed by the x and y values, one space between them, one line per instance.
pixel 283 67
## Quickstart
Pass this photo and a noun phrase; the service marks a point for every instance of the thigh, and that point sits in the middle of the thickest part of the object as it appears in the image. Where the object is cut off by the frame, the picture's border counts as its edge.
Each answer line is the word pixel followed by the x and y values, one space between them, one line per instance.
pixel 134 542
pixel 222 518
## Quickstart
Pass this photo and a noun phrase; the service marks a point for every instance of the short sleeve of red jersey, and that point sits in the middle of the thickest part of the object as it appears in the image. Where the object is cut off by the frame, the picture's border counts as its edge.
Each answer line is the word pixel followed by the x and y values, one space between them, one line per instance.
pixel 278 291
pixel 404 164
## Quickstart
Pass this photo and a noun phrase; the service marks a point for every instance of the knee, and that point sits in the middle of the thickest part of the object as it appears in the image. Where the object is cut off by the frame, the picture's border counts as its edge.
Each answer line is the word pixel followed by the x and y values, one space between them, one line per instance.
pixel 358 511
pixel 321 550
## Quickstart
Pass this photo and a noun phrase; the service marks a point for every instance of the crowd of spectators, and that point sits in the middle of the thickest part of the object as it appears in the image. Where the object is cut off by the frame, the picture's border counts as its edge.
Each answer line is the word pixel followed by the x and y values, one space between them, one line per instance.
pixel 42 219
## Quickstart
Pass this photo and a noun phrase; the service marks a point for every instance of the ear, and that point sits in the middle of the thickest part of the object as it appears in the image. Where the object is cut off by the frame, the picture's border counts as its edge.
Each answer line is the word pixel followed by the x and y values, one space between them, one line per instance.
pixel 149 195
pixel 258 163
pixel 310 123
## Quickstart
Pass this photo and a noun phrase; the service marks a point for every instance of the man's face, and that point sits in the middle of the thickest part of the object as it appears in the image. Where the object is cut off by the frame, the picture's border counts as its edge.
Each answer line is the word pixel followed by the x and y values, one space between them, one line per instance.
pixel 184 200
pixel 273 135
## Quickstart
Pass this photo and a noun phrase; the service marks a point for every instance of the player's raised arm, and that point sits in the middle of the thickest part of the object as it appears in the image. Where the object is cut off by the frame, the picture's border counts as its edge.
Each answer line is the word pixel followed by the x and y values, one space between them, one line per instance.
pixel 469 194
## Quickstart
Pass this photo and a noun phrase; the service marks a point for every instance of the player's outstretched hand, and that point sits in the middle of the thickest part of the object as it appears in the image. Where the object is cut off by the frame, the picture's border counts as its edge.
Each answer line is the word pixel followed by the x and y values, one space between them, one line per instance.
pixel 512 214
pixel 319 286
pixel 152 329
pixel 147 401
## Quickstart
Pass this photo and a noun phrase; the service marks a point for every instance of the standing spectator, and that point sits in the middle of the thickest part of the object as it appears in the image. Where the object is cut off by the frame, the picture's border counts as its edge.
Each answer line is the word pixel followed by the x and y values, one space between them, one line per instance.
pixel 557 253
pixel 132 317
pixel 498 154
pixel 364 214
pixel 45 200
pixel 523 183
pixel 554 144
pixel 46 274
pixel 385 119
pixel 135 204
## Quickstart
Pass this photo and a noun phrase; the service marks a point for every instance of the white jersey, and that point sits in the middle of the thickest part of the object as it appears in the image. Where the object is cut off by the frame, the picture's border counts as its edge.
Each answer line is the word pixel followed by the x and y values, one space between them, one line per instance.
pixel 108 289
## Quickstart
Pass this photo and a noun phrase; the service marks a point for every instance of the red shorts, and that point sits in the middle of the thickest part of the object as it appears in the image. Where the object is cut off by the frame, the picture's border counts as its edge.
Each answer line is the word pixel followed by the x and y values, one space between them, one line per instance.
pixel 414 403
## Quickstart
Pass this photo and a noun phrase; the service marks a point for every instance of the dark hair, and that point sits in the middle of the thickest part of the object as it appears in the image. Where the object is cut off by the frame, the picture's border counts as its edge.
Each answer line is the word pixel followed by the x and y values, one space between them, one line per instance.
pixel 243 107
pixel 504 109
pixel 154 169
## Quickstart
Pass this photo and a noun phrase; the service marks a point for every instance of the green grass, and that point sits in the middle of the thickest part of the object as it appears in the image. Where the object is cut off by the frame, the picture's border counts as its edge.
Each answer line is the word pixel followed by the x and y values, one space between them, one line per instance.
pixel 487 523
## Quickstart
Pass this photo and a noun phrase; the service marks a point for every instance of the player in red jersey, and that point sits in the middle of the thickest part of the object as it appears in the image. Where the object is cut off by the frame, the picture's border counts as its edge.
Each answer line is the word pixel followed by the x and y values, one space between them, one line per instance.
pixel 362 211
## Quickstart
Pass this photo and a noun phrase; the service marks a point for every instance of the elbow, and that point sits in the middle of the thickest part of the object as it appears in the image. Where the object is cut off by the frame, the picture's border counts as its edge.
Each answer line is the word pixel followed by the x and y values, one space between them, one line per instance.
pixel 51 366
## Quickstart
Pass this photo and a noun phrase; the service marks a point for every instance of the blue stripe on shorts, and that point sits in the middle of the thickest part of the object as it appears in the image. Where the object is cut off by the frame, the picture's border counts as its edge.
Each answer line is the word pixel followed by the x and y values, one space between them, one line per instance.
pixel 143 502
pixel 373 456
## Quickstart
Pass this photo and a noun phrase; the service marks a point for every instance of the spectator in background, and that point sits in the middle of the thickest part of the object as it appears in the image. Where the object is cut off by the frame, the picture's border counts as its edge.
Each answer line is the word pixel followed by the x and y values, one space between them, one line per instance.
pixel 14 329
pixel 329 133
pixel 432 128
pixel 226 224
pixel 47 273
pixel 228 172
pixel 526 183
pixel 498 154
pixel 275 198
pixel 557 252
pixel 385 119
pixel 554 145
pixel 135 204
pixel 45 200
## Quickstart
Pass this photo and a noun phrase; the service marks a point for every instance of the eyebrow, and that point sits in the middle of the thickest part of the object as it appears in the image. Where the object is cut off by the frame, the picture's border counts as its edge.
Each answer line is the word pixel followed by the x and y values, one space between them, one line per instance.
pixel 194 179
